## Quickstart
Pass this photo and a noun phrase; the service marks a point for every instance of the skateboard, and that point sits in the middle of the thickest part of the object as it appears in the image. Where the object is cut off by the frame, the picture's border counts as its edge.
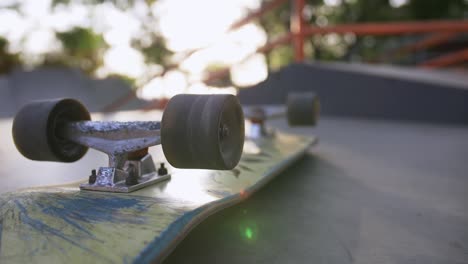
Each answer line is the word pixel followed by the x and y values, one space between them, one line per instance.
pixel 132 210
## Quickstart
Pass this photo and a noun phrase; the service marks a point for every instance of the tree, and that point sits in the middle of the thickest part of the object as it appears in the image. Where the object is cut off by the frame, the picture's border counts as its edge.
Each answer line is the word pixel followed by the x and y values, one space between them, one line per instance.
pixel 82 48
pixel 8 61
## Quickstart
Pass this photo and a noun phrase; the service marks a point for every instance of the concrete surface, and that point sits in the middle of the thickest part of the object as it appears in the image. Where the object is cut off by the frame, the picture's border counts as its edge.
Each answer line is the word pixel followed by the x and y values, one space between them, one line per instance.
pixel 371 192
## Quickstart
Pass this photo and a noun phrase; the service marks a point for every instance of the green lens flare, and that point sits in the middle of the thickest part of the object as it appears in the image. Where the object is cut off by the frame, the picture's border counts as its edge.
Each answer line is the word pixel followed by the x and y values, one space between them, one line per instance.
pixel 248 233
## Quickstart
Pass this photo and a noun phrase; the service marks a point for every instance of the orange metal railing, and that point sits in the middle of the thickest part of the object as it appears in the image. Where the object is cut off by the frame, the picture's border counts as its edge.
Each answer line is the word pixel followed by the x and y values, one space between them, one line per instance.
pixel 392 28
pixel 447 59
pixel 433 40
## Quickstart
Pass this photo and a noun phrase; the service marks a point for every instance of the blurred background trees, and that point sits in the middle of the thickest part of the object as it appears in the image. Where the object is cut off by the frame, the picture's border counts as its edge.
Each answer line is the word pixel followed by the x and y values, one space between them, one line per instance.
pixel 348 47
pixel 88 45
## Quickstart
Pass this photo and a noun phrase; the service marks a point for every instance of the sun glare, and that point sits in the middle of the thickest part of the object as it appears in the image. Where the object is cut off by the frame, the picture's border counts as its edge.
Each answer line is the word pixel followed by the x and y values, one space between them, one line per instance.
pixel 208 32
pixel 332 2
pixel 398 3
pixel 250 72
pixel 194 24
pixel 124 60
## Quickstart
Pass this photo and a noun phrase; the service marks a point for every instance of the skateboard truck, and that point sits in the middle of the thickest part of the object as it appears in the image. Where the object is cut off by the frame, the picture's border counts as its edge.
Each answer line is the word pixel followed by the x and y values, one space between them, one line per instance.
pixel 302 109
pixel 130 166
pixel 256 117
pixel 196 131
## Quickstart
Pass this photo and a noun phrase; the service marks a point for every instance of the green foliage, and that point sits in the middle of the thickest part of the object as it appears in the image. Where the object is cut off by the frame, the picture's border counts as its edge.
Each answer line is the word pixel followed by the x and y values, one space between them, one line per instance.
pixel 214 69
pixel 82 48
pixel 280 56
pixel 7 61
pixel 154 52
pixel 122 4
pixel 276 22
pixel 80 42
pixel 3 45
pixel 128 80
pixel 437 9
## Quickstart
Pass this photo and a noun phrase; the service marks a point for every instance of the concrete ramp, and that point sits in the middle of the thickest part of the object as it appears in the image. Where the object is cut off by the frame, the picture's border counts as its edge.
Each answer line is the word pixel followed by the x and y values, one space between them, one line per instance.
pixel 7 103
pixel 21 86
pixel 370 91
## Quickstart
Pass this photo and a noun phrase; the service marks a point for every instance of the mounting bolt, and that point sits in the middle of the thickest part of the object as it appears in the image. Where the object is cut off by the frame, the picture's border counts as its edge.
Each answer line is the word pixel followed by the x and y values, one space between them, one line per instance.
pixel 162 170
pixel 223 131
pixel 132 178
pixel 92 177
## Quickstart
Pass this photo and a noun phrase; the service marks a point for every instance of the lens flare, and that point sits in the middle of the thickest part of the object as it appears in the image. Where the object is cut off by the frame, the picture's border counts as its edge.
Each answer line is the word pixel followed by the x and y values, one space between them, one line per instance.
pixel 248 233
pixel 248 230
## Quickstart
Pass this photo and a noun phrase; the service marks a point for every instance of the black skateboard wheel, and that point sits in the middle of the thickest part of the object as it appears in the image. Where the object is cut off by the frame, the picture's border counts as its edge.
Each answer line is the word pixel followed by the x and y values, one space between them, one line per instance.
pixel 303 109
pixel 36 130
pixel 203 131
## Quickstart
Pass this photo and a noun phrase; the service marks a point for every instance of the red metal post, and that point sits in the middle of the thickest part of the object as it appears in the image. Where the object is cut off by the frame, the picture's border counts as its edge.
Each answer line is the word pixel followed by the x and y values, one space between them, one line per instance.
pixel 394 28
pixel 297 29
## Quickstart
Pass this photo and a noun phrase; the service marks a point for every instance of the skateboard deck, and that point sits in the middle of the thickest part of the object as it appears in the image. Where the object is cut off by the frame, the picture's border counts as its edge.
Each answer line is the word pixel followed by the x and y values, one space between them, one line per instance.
pixel 57 224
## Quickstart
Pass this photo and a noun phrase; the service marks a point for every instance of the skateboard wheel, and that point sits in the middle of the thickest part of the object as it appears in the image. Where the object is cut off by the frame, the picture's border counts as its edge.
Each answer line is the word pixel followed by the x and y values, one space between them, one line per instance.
pixel 303 109
pixel 203 131
pixel 36 130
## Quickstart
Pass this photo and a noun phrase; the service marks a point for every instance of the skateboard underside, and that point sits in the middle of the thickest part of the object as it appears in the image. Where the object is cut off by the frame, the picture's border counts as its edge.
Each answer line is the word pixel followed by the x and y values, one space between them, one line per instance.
pixel 63 224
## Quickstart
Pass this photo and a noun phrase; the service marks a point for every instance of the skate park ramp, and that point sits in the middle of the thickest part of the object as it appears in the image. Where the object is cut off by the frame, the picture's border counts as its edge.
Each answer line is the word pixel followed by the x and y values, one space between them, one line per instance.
pixel 20 87
pixel 370 91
